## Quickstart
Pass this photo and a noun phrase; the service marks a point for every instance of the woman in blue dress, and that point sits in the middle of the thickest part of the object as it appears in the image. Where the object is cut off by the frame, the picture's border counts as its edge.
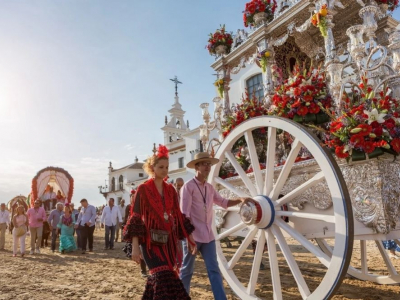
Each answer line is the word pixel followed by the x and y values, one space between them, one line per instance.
pixel 66 224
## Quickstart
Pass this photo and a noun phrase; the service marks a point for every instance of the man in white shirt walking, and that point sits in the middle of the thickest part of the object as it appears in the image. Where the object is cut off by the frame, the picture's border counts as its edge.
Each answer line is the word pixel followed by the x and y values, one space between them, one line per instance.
pixel 110 217
pixel 121 208
pixel 4 223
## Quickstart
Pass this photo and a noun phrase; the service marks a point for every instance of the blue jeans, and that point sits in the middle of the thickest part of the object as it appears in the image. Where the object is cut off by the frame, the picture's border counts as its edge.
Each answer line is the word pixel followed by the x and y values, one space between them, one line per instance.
pixel 209 253
pixel 110 230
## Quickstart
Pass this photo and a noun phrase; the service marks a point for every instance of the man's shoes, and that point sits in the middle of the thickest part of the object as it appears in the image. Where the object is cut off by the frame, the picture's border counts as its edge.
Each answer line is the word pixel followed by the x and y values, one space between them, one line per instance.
pixel 90 250
pixel 83 252
pixel 31 252
pixel 14 255
pixel 112 248
pixel 143 274
pixel 37 251
pixel 394 256
pixel 53 251
pixel 62 251
pixel 22 254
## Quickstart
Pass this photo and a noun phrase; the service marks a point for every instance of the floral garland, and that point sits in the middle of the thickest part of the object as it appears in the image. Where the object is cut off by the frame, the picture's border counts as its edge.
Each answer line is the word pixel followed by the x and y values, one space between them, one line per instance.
pixel 249 107
pixel 392 4
pixel 263 58
pixel 219 83
pixel 219 38
pixel 301 97
pixel 319 20
pixel 257 6
pixel 34 193
pixel 369 125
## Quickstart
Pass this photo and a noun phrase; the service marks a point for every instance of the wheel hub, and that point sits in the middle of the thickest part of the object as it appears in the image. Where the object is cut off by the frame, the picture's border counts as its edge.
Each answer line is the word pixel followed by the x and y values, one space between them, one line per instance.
pixel 259 211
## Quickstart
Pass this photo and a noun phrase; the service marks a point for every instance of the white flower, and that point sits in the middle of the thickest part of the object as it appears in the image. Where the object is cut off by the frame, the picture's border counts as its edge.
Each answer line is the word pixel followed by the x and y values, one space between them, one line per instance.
pixel 374 115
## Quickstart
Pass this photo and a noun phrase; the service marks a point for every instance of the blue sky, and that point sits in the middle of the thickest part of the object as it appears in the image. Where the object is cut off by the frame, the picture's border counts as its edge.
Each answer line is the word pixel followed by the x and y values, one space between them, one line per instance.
pixel 83 83
pixel 86 82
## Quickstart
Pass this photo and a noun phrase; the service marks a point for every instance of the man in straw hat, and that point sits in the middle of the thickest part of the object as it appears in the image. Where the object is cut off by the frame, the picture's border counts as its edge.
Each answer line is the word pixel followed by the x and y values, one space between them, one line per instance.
pixel 197 199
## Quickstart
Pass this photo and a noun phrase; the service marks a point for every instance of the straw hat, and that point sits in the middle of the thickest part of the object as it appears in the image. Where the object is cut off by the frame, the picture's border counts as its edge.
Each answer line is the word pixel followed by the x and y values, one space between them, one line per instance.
pixel 200 157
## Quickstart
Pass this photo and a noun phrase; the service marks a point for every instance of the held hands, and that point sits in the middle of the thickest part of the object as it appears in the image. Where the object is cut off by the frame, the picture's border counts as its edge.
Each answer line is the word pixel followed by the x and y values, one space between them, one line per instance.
pixel 192 245
pixel 76 226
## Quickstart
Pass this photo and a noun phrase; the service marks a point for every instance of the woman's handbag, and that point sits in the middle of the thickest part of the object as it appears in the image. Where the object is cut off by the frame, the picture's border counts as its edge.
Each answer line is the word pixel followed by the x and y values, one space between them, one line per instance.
pixel 20 231
pixel 159 237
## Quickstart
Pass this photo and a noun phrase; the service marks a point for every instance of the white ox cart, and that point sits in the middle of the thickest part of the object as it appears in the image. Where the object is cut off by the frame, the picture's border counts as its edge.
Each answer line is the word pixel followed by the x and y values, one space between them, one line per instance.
pixel 329 203
pixel 326 201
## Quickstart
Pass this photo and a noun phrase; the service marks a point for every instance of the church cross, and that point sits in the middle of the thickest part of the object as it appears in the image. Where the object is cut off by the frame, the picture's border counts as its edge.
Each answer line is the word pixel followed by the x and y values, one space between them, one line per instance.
pixel 176 84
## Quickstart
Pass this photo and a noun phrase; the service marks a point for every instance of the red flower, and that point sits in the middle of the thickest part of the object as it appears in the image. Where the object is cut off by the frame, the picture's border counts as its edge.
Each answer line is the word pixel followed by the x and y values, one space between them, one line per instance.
pixel 314 109
pixel 339 151
pixel 357 140
pixel 335 126
pixel 302 111
pixel 369 147
pixel 308 98
pixel 365 129
pixel 390 123
pixel 261 7
pixel 297 92
pixel 395 143
pixel 252 8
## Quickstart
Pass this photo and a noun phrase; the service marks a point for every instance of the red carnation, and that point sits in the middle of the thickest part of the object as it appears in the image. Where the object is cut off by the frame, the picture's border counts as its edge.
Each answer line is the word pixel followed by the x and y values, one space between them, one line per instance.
pixel 395 143
pixel 339 151
pixel 252 8
pixel 314 109
pixel 302 111
pixel 357 140
pixel 335 126
pixel 297 92
pixel 365 129
pixel 390 123
pixel 261 7
pixel 368 146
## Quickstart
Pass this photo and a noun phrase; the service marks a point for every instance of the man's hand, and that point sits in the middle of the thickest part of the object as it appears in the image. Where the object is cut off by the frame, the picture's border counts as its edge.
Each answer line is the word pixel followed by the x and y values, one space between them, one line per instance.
pixel 51 228
pixel 76 226
pixel 88 224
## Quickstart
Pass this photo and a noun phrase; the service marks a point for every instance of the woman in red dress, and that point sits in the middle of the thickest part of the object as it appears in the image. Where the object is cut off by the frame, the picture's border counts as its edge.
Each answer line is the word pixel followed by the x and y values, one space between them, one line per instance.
pixel 155 225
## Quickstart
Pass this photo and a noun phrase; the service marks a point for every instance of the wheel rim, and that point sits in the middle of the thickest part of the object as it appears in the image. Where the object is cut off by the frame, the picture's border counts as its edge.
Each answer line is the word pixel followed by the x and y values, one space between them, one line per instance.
pixel 271 227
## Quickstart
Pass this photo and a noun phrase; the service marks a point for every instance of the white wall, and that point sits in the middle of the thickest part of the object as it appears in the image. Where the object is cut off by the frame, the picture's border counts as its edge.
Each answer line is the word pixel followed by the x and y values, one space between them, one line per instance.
pixel 238 82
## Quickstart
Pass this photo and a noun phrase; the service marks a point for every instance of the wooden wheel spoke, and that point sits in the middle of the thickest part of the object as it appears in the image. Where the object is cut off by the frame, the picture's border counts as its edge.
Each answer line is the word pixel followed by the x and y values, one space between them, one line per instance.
pixel 246 180
pixel 305 243
pixel 287 167
pixel 228 232
pixel 391 269
pixel 317 178
pixel 230 187
pixel 273 261
pixel 296 214
pixel 242 248
pixel 255 163
pixel 287 253
pixel 364 262
pixel 256 264
pixel 270 162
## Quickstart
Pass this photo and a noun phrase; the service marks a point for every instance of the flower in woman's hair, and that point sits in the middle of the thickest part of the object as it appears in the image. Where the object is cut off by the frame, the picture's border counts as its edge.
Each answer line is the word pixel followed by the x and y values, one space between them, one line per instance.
pixel 341 152
pixel 162 151
pixel 374 115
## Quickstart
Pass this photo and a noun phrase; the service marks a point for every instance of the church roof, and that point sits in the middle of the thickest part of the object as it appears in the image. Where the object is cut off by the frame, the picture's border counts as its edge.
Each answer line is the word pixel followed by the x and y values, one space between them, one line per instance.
pixel 136 166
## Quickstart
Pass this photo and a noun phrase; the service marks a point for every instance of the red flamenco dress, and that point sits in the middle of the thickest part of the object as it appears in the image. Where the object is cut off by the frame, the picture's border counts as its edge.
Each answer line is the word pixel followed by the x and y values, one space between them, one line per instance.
pixel 152 211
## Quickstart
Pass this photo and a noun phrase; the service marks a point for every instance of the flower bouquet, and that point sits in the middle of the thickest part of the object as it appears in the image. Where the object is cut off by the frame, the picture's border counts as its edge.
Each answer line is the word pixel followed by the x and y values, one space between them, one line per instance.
pixel 319 20
pixel 249 107
pixel 220 42
pixel 391 4
pixel 258 8
pixel 219 84
pixel 368 126
pixel 301 97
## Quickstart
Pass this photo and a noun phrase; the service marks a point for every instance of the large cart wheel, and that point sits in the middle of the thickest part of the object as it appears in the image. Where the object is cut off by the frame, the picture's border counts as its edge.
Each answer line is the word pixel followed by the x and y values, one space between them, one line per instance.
pixel 262 220
pixel 391 275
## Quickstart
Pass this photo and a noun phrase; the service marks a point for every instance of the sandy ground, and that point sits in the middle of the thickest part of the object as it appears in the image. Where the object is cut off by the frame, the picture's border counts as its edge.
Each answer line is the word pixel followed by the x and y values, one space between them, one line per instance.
pixel 110 275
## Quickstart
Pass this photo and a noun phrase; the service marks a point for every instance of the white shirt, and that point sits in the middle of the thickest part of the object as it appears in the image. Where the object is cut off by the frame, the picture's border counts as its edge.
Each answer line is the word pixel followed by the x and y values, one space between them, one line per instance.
pixel 122 210
pixel 5 217
pixel 109 216
pixel 48 196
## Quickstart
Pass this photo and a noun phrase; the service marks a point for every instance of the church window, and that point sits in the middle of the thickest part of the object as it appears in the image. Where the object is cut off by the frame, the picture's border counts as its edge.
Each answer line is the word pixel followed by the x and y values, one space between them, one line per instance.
pixel 180 162
pixel 113 184
pixel 121 182
pixel 201 146
pixel 255 86
pixel 178 124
